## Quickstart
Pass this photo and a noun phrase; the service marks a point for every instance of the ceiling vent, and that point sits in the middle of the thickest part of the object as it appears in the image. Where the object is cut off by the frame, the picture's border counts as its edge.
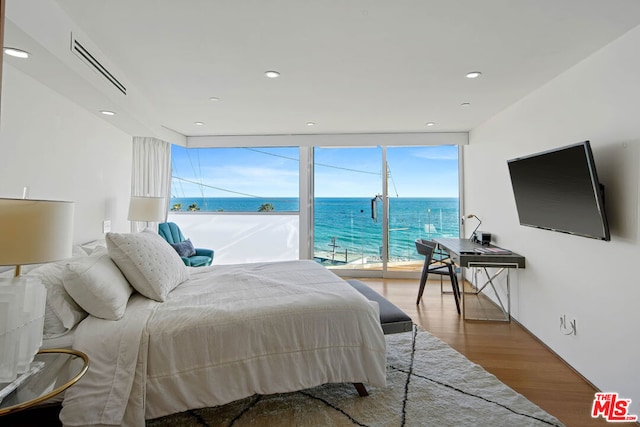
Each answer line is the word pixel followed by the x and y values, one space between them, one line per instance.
pixel 88 58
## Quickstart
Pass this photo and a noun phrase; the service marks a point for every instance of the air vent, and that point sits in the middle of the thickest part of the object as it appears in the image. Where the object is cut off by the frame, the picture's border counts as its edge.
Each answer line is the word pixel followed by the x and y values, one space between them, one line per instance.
pixel 88 58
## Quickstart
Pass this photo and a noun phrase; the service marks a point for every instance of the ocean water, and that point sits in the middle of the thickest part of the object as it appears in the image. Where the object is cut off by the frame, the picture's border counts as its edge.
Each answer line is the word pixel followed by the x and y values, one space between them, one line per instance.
pixel 347 223
pixel 235 204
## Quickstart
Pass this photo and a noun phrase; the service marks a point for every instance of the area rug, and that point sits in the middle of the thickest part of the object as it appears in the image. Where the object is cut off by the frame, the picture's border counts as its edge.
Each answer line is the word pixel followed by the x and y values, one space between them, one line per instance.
pixel 428 384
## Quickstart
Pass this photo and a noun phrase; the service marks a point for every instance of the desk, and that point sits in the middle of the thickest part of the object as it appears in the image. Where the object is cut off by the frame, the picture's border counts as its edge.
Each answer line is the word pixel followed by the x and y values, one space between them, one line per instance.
pixel 60 369
pixel 466 253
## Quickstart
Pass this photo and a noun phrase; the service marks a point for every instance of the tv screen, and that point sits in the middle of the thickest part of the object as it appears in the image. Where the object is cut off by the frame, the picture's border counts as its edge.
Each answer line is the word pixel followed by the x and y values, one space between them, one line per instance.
pixel 559 190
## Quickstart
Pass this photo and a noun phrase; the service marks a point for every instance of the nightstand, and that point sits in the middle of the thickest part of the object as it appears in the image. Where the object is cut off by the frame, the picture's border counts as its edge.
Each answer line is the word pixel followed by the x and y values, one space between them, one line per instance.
pixel 59 369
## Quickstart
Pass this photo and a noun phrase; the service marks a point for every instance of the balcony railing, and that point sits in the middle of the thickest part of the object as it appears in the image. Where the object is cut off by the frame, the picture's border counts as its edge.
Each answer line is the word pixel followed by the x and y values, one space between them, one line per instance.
pixel 242 237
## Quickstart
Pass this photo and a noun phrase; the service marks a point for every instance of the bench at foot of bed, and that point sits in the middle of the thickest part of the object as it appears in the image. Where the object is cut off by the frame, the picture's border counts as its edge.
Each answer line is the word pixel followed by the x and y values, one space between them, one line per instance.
pixel 392 319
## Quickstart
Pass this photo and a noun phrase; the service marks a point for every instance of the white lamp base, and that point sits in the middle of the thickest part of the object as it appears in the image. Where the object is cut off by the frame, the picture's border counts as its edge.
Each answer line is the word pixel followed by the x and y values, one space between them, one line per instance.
pixel 22 305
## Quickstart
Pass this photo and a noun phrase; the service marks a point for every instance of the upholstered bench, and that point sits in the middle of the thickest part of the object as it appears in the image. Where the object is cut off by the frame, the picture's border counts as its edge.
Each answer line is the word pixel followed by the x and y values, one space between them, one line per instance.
pixel 392 319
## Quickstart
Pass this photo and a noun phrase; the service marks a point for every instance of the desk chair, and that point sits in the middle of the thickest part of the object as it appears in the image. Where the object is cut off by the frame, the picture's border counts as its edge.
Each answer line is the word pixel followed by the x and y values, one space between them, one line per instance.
pixel 431 266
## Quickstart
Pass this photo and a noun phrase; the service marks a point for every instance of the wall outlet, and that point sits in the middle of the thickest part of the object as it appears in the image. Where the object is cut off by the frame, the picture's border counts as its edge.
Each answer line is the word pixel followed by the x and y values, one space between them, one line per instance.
pixel 106 226
pixel 567 328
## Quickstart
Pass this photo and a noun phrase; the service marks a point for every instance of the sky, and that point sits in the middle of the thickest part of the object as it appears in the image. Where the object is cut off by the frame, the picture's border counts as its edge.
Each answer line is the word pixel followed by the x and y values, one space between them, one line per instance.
pixel 430 171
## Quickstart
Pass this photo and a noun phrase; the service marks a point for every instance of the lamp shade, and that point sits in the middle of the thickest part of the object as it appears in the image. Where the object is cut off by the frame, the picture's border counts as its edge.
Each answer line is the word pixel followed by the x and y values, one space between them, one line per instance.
pixel 147 209
pixel 35 231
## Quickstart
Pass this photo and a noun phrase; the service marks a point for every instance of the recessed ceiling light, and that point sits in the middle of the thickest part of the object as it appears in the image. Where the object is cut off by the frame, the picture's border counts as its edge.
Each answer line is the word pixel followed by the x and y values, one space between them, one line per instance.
pixel 198 123
pixel 311 124
pixel 107 113
pixel 18 53
pixel 465 104
pixel 272 74
pixel 214 98
pixel 473 74
pixel 431 124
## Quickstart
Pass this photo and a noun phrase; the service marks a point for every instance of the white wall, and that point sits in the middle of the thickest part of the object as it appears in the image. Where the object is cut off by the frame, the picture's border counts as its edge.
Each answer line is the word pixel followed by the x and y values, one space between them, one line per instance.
pixel 591 281
pixel 63 152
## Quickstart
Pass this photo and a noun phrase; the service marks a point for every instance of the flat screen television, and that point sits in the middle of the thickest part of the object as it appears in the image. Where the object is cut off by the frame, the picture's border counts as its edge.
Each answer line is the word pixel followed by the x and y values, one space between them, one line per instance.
pixel 559 190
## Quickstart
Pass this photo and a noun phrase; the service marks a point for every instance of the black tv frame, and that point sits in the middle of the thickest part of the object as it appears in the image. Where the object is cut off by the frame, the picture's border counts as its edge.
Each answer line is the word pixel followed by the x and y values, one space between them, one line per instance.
pixel 553 155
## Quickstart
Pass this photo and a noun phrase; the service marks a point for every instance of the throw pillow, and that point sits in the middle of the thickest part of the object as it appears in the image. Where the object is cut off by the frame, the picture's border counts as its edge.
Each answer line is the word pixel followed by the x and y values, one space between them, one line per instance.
pixel 98 286
pixel 62 313
pixel 184 248
pixel 148 262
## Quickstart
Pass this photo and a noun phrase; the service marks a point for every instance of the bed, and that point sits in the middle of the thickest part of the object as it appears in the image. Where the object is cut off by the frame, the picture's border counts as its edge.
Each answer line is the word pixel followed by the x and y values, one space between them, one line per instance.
pixel 174 338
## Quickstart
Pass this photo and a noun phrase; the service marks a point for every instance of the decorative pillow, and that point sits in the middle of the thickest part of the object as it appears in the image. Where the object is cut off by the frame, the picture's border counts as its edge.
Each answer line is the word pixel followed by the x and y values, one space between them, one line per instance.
pixel 184 248
pixel 98 286
pixel 148 262
pixel 66 312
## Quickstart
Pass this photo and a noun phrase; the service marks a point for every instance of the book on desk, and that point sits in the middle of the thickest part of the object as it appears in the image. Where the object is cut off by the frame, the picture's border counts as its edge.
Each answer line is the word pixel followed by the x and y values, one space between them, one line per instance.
pixel 489 250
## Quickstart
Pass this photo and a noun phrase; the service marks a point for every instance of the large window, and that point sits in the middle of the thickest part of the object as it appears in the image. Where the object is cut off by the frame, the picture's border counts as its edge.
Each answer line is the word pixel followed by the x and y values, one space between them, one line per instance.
pixel 368 205
pixel 235 179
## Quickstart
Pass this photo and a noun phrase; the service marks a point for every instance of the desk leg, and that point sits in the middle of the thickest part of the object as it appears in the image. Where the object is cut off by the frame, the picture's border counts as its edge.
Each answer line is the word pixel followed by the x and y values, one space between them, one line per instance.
pixel 495 291
pixel 464 304
pixel 502 269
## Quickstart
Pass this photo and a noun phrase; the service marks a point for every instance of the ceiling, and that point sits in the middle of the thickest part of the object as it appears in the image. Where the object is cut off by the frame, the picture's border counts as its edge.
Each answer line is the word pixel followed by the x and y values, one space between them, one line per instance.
pixel 355 66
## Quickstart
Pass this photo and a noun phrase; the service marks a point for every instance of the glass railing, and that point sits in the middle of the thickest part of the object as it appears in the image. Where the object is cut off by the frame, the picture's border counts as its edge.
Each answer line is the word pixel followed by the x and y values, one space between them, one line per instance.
pixel 347 236
pixel 242 237
pixel 354 243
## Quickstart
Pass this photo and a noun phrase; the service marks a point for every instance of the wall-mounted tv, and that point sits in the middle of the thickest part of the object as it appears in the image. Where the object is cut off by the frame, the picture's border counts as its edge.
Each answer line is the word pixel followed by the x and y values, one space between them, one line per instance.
pixel 559 190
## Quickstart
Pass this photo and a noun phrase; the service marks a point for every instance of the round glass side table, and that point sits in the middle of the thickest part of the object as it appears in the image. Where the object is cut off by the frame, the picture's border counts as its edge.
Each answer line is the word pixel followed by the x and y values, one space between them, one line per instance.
pixel 55 371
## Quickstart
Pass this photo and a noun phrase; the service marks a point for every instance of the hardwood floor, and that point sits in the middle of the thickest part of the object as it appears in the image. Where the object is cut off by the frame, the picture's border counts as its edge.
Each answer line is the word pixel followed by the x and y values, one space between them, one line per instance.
pixel 505 349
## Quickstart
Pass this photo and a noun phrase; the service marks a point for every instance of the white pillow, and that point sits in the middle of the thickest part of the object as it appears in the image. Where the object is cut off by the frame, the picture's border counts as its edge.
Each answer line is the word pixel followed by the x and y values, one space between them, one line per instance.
pixel 66 312
pixel 77 251
pixel 148 262
pixel 98 286
pixel 90 247
pixel 53 326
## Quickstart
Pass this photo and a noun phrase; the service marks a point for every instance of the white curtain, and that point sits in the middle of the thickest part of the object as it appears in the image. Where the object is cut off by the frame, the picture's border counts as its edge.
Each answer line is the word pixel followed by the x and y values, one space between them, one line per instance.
pixel 151 172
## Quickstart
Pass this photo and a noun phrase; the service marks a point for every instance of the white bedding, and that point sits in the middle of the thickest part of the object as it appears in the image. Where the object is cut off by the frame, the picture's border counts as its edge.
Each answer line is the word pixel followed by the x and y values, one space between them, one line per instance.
pixel 63 341
pixel 227 333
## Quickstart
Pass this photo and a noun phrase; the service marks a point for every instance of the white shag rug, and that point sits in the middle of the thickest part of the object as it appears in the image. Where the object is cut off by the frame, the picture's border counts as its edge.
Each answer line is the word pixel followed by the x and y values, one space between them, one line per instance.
pixel 428 384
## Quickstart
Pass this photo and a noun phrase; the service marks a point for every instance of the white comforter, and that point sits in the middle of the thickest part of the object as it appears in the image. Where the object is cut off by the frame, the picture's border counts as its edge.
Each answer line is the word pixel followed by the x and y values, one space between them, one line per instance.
pixel 227 333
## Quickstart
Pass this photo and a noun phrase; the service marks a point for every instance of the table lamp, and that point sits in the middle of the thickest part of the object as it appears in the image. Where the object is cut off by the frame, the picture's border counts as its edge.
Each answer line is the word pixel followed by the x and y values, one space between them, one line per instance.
pixel 31 232
pixel 147 209
pixel 474 236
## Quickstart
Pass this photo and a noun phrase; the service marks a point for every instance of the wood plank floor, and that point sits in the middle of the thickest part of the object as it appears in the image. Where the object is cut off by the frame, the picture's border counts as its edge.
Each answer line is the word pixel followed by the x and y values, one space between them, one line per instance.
pixel 506 350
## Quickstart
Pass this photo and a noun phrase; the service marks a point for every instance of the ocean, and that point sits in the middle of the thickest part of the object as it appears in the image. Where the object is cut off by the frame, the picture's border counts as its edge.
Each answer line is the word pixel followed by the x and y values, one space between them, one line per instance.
pixel 346 226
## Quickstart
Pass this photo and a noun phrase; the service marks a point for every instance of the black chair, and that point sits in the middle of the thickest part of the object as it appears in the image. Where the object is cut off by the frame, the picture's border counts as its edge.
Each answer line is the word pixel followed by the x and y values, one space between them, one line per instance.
pixel 438 266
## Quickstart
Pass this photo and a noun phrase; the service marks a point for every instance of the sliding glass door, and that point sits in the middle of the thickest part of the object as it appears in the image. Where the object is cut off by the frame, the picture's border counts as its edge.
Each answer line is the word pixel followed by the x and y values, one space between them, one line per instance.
pixel 423 200
pixel 348 213
pixel 371 203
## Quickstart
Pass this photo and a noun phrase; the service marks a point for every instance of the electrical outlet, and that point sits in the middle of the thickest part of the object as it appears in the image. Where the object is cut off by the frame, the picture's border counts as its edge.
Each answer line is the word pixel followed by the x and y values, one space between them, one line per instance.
pixel 106 226
pixel 567 328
